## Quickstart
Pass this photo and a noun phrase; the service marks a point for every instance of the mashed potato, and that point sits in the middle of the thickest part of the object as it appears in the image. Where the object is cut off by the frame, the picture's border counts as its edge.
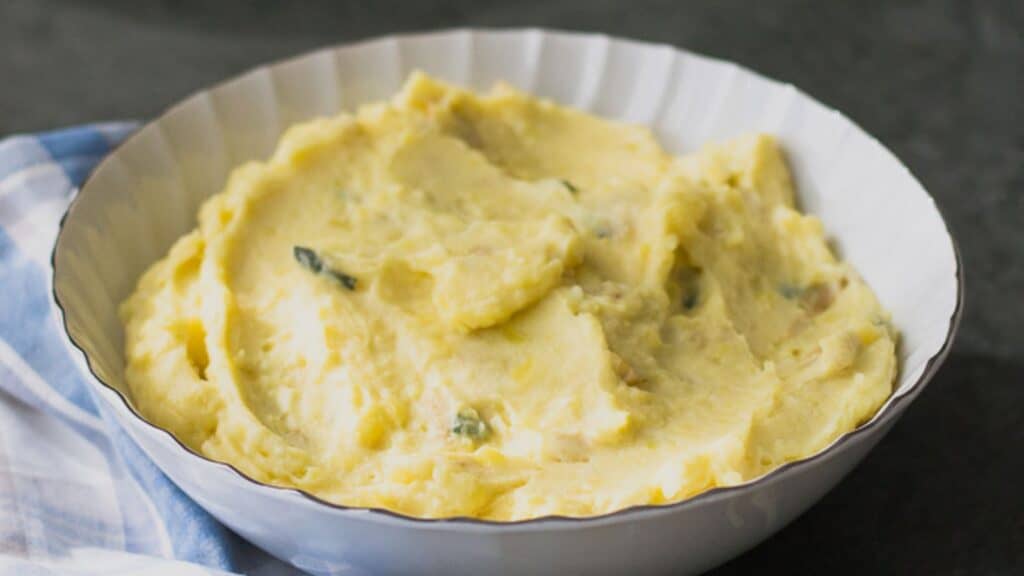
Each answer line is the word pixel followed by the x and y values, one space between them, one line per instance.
pixel 454 304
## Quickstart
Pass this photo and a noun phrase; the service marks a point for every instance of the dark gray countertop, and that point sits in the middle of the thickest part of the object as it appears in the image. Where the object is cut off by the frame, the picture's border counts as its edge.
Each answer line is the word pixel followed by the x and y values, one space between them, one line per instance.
pixel 941 83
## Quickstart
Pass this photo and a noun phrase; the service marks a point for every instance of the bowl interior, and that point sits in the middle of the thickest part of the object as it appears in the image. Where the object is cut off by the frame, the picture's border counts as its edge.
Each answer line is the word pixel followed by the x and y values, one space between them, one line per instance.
pixel 146 194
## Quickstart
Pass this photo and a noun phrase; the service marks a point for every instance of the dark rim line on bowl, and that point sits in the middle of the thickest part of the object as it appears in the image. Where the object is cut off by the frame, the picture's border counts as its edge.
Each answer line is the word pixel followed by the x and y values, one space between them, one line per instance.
pixel 881 416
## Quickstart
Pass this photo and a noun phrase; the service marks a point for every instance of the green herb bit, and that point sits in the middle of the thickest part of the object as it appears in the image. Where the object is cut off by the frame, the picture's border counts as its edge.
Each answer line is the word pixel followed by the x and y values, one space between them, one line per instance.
pixel 603 230
pixel 691 300
pixel 469 424
pixel 815 298
pixel 790 292
pixel 689 282
pixel 309 259
pixel 570 187
pixel 347 281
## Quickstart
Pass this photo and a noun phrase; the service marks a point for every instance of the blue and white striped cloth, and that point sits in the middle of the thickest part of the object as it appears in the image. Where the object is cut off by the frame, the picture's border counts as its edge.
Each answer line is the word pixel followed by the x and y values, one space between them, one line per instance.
pixel 76 495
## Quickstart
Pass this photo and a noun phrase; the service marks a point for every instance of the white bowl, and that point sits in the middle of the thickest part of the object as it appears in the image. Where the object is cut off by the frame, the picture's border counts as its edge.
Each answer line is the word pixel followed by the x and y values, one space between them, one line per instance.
pixel 146 194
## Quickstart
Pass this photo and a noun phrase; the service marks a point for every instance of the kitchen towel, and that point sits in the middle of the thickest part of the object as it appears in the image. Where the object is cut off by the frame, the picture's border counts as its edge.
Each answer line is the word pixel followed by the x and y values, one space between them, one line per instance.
pixel 77 496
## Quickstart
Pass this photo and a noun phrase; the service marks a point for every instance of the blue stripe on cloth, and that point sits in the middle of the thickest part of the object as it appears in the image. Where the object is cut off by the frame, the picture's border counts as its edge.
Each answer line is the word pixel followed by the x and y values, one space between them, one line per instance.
pixel 27 325
pixel 78 167
pixel 78 141
pixel 76 150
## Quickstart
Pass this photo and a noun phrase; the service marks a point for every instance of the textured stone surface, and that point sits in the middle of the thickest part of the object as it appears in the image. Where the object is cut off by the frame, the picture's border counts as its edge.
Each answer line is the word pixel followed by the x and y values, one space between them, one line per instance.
pixel 941 83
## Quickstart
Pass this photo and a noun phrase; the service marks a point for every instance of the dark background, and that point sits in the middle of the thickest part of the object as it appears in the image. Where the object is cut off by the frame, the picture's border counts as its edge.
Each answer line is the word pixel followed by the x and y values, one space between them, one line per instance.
pixel 940 83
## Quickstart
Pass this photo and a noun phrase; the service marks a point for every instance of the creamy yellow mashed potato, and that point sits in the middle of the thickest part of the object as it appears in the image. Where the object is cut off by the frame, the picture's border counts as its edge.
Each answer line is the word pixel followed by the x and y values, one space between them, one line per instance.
pixel 454 304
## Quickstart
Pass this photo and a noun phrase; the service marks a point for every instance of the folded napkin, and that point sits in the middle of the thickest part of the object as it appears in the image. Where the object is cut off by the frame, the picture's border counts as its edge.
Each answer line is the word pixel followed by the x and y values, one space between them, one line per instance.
pixel 77 496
